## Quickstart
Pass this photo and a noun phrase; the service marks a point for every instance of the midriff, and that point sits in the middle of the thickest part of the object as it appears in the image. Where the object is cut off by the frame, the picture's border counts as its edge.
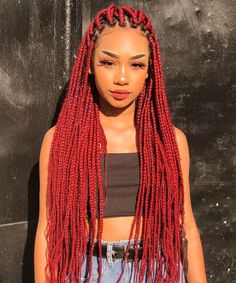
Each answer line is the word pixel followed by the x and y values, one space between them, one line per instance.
pixel 117 228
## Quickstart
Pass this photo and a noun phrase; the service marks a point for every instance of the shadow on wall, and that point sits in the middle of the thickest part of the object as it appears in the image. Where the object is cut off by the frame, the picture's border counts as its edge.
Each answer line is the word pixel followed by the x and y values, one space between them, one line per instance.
pixel 33 211
pixel 33 207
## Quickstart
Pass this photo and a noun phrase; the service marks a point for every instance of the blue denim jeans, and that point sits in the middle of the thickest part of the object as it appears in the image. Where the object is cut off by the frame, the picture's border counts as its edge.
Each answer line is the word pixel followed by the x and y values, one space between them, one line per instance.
pixel 112 268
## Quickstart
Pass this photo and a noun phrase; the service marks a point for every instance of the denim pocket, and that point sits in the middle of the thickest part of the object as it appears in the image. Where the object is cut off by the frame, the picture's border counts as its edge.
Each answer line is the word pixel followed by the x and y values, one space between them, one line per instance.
pixel 85 269
pixel 95 268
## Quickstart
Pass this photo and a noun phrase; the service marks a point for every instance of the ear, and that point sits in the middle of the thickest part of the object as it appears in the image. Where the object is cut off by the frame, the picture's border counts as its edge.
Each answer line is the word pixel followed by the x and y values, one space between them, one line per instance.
pixel 146 76
pixel 91 68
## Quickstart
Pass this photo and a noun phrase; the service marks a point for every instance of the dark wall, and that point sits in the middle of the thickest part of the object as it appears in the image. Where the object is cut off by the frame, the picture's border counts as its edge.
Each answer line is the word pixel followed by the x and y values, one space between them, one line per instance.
pixel 37 41
pixel 198 50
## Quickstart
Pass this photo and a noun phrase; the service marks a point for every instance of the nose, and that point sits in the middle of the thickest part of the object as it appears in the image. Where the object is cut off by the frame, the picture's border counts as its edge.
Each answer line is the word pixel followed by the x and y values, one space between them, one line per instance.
pixel 121 76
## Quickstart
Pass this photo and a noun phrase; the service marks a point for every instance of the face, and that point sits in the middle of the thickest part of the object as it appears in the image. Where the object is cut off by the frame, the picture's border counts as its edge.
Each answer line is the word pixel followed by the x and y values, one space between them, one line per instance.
pixel 120 62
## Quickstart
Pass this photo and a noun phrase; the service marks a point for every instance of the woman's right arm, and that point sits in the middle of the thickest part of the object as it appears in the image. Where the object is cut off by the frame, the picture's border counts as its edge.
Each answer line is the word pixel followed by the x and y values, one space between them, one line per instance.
pixel 40 240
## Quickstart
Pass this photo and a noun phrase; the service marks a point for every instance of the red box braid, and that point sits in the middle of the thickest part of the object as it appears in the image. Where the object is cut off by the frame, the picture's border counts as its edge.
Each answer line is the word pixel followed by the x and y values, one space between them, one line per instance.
pixel 75 176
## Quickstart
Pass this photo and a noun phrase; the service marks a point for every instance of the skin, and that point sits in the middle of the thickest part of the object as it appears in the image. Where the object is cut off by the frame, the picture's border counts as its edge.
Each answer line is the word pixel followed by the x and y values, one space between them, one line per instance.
pixel 117 120
pixel 117 116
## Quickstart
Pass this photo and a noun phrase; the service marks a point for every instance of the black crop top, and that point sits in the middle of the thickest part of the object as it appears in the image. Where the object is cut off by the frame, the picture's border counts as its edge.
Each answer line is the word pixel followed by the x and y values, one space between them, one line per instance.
pixel 122 184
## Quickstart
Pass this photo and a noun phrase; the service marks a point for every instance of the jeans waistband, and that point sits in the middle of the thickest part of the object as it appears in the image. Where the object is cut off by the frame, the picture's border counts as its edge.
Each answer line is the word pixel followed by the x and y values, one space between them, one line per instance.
pixel 119 242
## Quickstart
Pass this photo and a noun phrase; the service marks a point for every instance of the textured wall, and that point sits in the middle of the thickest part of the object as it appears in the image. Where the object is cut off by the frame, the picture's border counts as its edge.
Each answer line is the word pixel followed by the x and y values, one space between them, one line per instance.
pixel 37 39
pixel 198 50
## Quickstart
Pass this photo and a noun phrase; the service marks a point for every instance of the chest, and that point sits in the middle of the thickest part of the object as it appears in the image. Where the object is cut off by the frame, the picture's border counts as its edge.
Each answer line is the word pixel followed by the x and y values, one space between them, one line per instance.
pixel 121 180
pixel 121 141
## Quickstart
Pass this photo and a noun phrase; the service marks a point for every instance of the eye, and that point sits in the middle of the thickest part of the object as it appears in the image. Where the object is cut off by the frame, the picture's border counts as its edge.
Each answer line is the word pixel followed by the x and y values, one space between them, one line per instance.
pixel 139 65
pixel 106 63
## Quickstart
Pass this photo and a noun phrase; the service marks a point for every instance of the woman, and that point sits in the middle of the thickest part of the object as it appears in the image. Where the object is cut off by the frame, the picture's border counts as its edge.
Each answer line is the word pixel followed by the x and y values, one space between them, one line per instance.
pixel 114 173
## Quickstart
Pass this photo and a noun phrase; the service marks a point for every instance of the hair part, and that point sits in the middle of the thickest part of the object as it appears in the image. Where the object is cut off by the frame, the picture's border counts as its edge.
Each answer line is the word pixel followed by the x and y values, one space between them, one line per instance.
pixel 107 27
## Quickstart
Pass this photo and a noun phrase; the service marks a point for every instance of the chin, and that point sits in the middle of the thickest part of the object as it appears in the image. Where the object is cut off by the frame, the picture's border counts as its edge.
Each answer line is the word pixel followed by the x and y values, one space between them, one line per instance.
pixel 121 103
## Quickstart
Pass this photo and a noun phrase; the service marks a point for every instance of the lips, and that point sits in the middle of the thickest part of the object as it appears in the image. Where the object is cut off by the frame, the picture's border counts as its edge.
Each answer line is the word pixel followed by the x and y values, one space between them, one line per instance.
pixel 120 94
pixel 120 91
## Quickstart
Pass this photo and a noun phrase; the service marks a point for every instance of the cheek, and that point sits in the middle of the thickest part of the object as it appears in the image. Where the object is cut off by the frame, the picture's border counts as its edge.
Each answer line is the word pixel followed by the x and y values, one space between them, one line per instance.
pixel 103 78
pixel 139 80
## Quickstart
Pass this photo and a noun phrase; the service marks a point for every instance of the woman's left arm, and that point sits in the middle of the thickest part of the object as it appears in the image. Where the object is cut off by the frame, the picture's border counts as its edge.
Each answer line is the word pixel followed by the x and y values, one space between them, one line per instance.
pixel 196 268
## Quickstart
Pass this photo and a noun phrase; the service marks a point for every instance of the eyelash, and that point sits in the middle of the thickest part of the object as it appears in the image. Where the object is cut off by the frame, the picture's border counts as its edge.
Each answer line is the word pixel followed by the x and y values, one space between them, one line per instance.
pixel 108 63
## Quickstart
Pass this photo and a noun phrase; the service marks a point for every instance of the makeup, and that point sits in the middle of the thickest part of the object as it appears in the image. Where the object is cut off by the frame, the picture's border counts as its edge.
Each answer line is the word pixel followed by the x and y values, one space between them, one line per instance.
pixel 120 95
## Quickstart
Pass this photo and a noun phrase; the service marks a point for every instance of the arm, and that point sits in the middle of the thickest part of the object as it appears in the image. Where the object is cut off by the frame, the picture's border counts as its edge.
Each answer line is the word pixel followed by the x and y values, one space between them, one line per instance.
pixel 40 240
pixel 196 269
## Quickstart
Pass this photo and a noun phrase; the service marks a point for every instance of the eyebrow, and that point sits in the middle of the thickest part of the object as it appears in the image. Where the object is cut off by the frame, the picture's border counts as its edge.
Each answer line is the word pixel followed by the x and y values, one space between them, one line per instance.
pixel 116 56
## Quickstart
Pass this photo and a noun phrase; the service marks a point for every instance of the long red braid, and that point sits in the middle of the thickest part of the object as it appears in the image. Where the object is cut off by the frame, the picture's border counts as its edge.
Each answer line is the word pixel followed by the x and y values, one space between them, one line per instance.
pixel 75 176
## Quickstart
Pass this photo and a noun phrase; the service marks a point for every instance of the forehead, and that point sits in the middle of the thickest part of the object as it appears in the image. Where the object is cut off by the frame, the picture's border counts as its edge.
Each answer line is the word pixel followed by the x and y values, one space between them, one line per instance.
pixel 122 39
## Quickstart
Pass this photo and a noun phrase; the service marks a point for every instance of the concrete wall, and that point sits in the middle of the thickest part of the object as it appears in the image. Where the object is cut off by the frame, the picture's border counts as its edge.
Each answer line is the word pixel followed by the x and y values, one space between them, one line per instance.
pixel 198 50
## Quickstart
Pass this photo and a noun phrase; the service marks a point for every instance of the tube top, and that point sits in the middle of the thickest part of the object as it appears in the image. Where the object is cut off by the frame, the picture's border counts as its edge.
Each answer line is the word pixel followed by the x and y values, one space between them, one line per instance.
pixel 122 184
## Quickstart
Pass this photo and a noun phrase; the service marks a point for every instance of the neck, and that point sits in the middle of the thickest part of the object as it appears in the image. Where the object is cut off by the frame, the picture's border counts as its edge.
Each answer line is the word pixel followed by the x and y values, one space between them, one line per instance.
pixel 117 118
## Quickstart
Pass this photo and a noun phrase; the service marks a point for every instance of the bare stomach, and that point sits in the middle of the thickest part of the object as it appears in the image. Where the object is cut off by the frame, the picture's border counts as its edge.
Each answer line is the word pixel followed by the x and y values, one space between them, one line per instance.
pixel 117 228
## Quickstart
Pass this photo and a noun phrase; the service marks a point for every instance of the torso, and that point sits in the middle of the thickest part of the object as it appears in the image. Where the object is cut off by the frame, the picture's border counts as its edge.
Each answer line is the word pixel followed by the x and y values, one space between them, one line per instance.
pixel 118 228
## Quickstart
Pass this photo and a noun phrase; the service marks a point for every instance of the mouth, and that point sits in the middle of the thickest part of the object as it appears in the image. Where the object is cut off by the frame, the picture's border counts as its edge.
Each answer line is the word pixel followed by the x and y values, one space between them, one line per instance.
pixel 120 95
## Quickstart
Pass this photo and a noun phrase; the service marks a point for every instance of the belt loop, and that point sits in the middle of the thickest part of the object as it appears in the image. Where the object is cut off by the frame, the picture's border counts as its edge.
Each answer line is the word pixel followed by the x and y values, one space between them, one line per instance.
pixel 125 246
pixel 109 254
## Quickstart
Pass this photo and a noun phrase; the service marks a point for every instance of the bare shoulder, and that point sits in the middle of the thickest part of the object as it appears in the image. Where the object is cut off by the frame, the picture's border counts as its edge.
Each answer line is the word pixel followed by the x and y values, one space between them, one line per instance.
pixel 180 135
pixel 43 175
pixel 181 140
pixel 49 135
pixel 45 147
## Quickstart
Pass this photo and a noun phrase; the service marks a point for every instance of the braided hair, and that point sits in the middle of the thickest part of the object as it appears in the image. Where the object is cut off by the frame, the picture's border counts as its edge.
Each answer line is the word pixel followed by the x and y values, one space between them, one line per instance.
pixel 75 178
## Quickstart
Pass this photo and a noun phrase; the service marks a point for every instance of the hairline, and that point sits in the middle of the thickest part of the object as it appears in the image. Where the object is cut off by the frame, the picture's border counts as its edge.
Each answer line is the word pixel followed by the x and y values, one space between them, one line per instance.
pixel 117 24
